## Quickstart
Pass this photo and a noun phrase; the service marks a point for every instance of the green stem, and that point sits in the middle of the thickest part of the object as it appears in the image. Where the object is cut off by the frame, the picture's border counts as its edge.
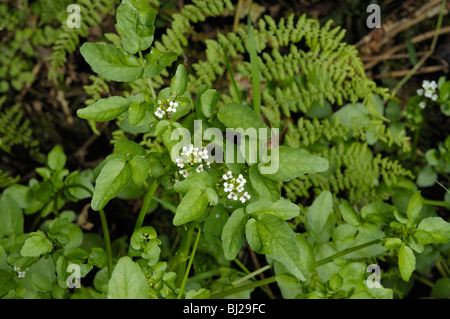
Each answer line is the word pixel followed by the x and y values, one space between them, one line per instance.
pixel 251 275
pixel 345 252
pixel 191 260
pixel 204 275
pixel 256 284
pixel 272 279
pixel 423 280
pixel 107 241
pixel 145 204
pixel 436 203
pixel 441 269
pixel 179 260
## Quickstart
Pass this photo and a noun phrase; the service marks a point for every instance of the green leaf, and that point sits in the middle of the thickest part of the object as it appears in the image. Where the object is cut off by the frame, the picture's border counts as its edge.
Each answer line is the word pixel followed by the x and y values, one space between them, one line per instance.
pixel 106 109
pixel 427 176
pixel 378 212
pixel 266 188
pixel 392 243
pixel 436 227
pixel 140 165
pixel 233 233
pixel 157 61
pixel 127 281
pixel 136 112
pixel 349 214
pixel 270 235
pixel 414 207
pixel 135 21
pixel 112 63
pixel 141 236
pixel 98 257
pixel 320 218
pixel 11 217
pixel 214 223
pixel 129 147
pixel 281 208
pixel 36 245
pixel 208 101
pixel 191 207
pixel 406 262
pixel 115 175
pixel 294 162
pixel 56 158
pixel 235 116
pixel 441 288
pixel 179 82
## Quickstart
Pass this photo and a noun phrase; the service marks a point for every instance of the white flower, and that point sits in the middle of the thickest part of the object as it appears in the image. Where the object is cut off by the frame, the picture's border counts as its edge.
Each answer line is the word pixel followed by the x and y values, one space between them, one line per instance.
pixel 195 151
pixel 170 109
pixel 184 173
pixel 244 197
pixel 208 164
pixel 434 97
pixel 241 179
pixel 227 187
pixel 240 188
pixel 159 113
pixel 179 162
pixel 420 92
pixel 159 102
pixel 173 104
pixel 233 196
pixel 227 176
pixel 428 94
pixel 199 168
pixel 422 105
pixel 204 153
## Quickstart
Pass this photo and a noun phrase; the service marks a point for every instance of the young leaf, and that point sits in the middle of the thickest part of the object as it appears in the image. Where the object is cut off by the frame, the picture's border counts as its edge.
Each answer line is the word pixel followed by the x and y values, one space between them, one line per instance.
pixel 35 245
pixel 157 61
pixel 320 218
pixel 406 262
pixel 209 101
pixel 235 116
pixel 233 233
pixel 140 165
pixel 349 214
pixel 11 216
pixel 136 112
pixel 191 207
pixel 115 175
pixel 294 162
pixel 106 109
pixel 414 207
pixel 56 158
pixel 436 227
pixel 281 208
pixel 266 188
pixel 112 63
pixel 179 81
pixel 135 20
pixel 127 281
pixel 270 235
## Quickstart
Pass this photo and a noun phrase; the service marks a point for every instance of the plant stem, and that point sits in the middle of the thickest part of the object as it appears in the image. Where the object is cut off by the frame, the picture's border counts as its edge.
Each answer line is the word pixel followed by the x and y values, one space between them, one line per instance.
pixel 272 279
pixel 191 260
pixel 221 294
pixel 441 269
pixel 423 280
pixel 179 260
pixel 345 252
pixel 145 204
pixel 251 275
pixel 204 275
pixel 436 203
pixel 107 241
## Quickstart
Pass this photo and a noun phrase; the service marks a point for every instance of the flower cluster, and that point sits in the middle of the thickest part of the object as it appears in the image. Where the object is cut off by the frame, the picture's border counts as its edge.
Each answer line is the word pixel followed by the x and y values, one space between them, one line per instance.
pixel 428 90
pixel 20 273
pixel 190 156
pixel 235 186
pixel 166 107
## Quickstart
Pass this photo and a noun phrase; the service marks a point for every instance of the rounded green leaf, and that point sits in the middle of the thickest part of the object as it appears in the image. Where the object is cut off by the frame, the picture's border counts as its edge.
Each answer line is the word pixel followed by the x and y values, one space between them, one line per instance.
pixel 106 109
pixel 36 245
pixel 209 101
pixel 191 207
pixel 179 82
pixel 112 63
pixel 406 262
pixel 233 233
pixel 127 281
pixel 114 176
pixel 56 158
